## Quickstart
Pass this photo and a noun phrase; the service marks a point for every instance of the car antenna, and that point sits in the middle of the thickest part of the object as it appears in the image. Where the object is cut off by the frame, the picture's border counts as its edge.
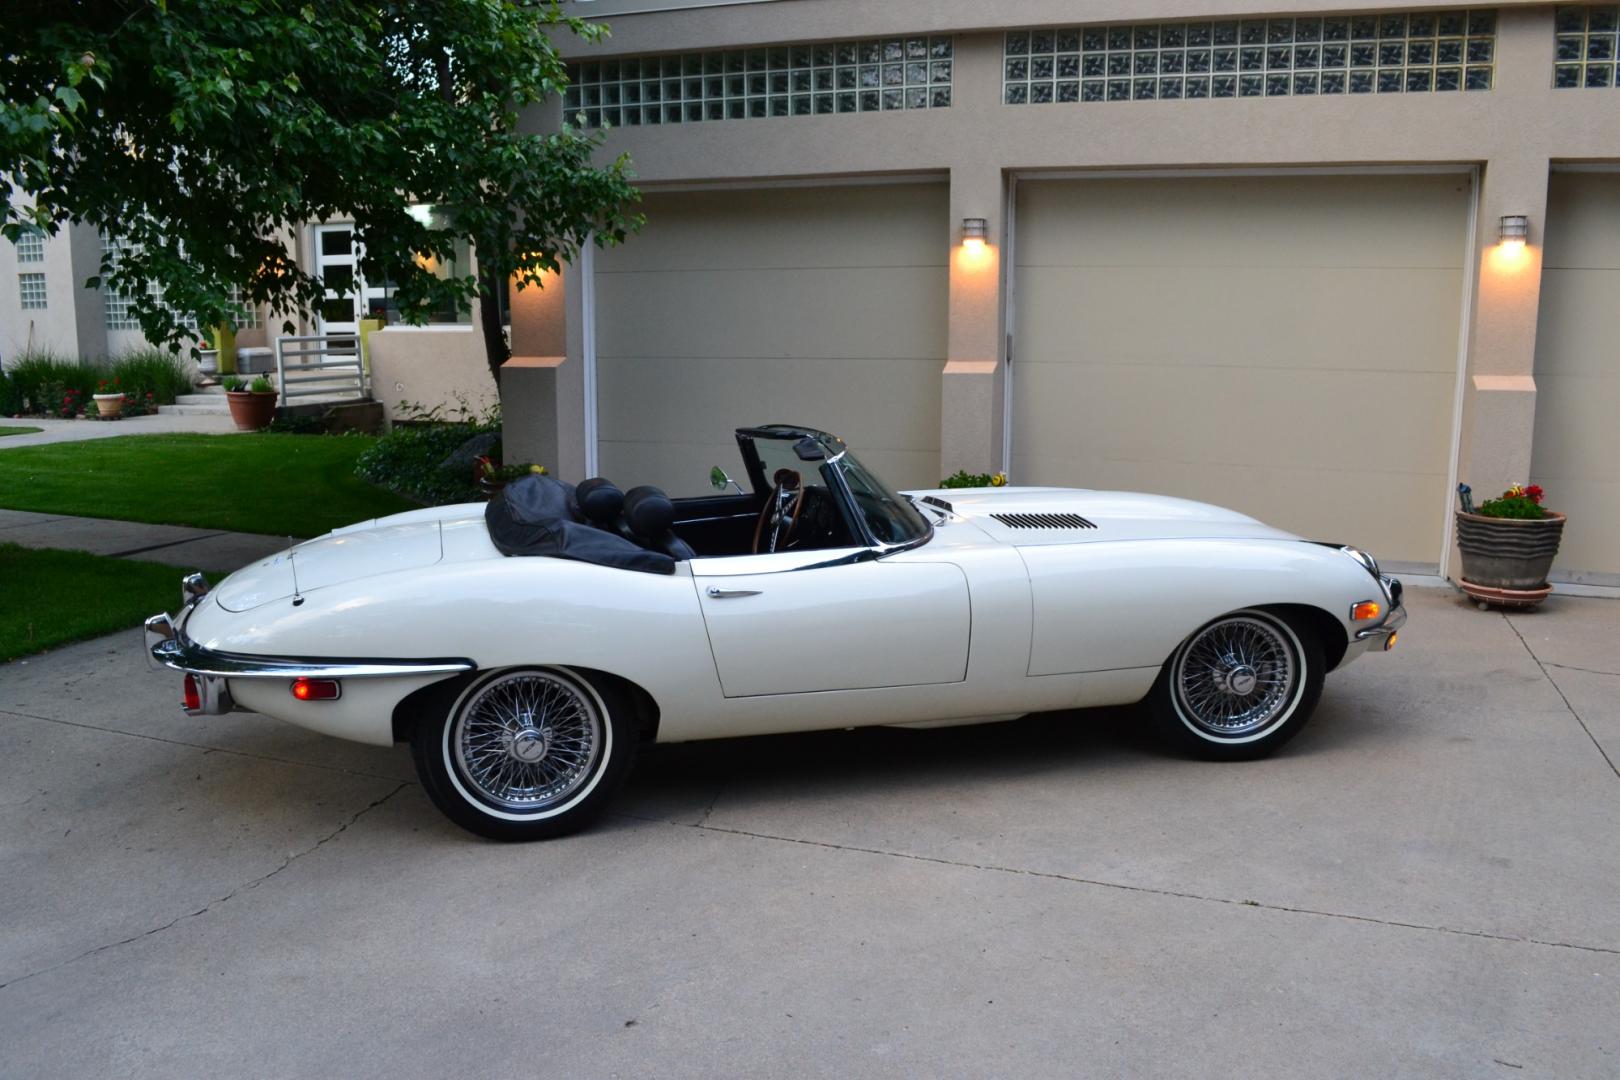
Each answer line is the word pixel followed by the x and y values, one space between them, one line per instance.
pixel 292 564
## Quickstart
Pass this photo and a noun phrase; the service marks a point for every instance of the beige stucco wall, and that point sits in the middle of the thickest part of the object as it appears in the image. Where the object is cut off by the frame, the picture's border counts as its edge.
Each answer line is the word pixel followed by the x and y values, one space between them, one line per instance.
pixel 1511 134
pixel 430 366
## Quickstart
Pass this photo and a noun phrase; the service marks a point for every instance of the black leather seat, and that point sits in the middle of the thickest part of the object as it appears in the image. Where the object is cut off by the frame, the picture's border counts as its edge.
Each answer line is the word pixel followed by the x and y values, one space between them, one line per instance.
pixel 649 519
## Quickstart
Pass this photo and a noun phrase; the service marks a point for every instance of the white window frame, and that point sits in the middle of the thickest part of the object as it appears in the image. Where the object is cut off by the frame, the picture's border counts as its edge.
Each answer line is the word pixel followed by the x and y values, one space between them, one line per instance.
pixel 30 298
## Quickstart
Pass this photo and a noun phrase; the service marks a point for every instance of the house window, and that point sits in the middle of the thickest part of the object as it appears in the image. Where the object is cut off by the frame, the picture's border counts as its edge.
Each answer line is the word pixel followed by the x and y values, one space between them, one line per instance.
pixel 31 246
pixel 1586 46
pixel 875 75
pixel 1390 52
pixel 350 296
pixel 31 290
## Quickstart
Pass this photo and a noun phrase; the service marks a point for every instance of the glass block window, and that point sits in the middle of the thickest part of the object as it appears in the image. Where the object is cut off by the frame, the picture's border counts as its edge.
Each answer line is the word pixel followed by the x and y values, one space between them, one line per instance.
pixel 247 317
pixel 115 305
pixel 31 246
pixel 1391 52
pixel 785 80
pixel 31 290
pixel 1586 47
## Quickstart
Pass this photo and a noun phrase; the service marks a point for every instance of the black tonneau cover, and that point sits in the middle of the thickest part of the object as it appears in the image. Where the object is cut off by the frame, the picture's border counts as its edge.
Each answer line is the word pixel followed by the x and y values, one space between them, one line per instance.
pixel 536 515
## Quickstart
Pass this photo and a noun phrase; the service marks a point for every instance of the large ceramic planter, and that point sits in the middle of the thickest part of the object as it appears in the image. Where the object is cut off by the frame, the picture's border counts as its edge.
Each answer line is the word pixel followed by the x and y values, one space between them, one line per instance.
pixel 251 411
pixel 1506 560
pixel 208 362
pixel 109 406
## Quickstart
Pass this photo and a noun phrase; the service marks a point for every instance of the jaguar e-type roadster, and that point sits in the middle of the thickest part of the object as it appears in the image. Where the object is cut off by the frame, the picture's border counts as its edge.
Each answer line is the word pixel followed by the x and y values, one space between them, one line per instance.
pixel 526 647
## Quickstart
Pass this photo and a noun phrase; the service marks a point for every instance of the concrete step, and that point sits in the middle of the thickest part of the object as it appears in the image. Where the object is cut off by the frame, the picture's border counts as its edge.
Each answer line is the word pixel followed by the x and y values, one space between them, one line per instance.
pixel 222 409
pixel 203 397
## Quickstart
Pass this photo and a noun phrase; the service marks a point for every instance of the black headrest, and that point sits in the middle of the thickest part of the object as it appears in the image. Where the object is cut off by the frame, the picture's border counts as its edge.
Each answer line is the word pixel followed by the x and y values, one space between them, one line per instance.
pixel 648 512
pixel 599 500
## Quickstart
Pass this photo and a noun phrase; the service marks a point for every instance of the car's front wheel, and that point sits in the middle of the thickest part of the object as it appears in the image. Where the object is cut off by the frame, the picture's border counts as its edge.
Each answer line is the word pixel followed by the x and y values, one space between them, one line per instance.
pixel 525 753
pixel 1239 687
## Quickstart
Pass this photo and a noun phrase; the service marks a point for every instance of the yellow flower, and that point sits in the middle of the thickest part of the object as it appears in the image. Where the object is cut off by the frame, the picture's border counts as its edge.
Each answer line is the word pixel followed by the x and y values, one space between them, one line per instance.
pixel 999 480
pixel 538 470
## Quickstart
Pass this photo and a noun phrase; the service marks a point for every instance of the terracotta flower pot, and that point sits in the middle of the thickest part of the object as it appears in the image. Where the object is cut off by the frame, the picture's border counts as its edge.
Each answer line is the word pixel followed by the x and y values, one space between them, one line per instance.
pixel 1508 553
pixel 109 405
pixel 251 411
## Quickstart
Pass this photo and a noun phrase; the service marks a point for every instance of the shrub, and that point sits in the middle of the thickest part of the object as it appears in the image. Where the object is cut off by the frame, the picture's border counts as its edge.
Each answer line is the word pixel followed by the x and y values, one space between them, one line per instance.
pixel 410 459
pixel 44 383
pixel 8 395
pixel 964 479
pixel 161 374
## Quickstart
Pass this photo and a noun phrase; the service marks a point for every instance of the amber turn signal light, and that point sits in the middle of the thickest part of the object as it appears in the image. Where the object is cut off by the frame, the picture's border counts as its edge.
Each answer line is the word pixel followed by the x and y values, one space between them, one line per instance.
pixel 1389 642
pixel 316 689
pixel 1367 609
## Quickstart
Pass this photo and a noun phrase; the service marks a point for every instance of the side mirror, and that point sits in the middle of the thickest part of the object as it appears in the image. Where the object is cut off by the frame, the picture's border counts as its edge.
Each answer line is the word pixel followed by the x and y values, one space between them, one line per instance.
pixel 718 478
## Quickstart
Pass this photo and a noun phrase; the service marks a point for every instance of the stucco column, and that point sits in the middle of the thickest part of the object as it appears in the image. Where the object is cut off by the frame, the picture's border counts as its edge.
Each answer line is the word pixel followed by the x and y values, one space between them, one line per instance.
pixel 970 397
pixel 1499 393
pixel 542 385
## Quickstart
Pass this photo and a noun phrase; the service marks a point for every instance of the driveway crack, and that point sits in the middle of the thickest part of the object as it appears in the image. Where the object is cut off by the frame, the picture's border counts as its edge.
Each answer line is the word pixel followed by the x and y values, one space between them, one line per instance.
pixel 1561 695
pixel 1075 879
pixel 212 904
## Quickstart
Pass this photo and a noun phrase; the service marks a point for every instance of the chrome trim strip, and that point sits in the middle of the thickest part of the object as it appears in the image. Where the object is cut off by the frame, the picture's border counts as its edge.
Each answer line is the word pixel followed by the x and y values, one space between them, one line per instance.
pixel 179 653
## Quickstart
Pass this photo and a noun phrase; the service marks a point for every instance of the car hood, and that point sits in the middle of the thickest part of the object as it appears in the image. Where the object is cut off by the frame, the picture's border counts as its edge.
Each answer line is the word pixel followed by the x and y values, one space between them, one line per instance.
pixel 341 556
pixel 1026 516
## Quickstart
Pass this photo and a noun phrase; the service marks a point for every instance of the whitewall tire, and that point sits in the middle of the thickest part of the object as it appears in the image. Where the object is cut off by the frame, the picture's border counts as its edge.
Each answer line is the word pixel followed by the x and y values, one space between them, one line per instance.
pixel 525 753
pixel 1239 687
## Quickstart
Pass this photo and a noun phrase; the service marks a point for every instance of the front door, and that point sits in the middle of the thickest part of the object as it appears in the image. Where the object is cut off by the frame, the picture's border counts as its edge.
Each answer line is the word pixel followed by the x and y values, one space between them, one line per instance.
pixel 807 621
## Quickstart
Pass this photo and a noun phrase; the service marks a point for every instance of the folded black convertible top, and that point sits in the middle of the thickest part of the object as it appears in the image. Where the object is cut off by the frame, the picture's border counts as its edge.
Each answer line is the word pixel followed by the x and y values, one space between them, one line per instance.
pixel 536 515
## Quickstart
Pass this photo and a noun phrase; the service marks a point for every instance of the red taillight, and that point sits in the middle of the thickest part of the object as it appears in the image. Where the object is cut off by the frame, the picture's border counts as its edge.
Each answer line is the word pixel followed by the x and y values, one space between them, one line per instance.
pixel 193 695
pixel 316 689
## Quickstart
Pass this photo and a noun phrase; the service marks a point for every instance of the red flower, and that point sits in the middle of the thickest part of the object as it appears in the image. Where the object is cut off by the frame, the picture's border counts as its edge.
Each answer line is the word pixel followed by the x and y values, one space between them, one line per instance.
pixel 1535 493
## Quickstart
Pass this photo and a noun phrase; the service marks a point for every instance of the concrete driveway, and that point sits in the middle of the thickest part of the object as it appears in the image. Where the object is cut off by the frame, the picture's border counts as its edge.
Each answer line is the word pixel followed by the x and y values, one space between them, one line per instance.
pixel 1426 883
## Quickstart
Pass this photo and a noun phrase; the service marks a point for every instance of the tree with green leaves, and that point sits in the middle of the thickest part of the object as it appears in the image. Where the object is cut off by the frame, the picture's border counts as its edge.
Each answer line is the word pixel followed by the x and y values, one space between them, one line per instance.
pixel 200 132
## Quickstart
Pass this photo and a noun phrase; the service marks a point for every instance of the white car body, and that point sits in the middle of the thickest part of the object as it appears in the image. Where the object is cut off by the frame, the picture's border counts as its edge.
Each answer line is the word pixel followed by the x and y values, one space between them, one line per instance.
pixel 984 621
pixel 527 647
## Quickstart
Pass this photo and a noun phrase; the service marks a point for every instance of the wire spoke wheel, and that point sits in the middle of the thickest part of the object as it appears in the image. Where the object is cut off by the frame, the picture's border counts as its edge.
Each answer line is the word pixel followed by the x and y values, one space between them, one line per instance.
pixel 1237 677
pixel 528 741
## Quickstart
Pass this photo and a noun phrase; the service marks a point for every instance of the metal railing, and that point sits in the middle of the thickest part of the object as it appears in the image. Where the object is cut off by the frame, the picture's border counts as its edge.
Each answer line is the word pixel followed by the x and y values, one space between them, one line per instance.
pixel 325 365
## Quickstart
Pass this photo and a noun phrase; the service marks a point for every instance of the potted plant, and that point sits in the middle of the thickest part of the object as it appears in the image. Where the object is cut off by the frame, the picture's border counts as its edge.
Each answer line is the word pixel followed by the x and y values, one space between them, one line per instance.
pixel 961 478
pixel 1508 545
pixel 253 404
pixel 207 359
pixel 491 477
pixel 109 400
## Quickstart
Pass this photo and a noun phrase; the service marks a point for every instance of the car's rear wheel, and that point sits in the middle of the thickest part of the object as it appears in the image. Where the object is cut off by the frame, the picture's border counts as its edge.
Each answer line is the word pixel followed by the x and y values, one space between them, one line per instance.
pixel 526 753
pixel 1239 687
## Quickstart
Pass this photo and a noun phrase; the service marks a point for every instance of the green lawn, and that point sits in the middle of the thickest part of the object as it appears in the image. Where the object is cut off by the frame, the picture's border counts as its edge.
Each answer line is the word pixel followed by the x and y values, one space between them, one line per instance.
pixel 4 431
pixel 50 598
pixel 283 485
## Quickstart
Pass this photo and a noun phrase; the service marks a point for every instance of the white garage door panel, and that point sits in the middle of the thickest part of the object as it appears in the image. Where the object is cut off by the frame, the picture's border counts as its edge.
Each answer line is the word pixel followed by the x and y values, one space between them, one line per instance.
pixel 1576 454
pixel 825 307
pixel 1283 346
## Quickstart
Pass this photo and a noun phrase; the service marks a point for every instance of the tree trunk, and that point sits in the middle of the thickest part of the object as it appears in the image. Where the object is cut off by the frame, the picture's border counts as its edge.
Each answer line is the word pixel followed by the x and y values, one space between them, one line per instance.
pixel 496 351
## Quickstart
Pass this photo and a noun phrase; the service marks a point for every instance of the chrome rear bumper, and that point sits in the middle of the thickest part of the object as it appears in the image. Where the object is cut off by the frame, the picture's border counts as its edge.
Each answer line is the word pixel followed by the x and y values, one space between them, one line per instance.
pixel 168 647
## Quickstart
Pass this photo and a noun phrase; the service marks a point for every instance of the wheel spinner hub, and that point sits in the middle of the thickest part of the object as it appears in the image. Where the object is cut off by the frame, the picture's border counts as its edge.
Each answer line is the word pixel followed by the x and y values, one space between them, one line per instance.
pixel 529 744
pixel 1235 678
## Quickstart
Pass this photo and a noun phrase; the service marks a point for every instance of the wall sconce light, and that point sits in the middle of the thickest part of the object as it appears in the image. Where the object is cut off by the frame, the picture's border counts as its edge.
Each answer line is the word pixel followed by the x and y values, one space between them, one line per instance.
pixel 975 231
pixel 1515 230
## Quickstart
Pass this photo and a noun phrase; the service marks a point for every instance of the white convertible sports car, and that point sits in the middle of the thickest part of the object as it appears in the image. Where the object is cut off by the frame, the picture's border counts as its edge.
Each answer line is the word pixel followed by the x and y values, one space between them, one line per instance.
pixel 526 647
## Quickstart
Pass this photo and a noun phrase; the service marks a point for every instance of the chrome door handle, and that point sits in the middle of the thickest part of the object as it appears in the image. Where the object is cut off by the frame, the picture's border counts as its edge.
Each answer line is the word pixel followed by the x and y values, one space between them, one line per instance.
pixel 727 594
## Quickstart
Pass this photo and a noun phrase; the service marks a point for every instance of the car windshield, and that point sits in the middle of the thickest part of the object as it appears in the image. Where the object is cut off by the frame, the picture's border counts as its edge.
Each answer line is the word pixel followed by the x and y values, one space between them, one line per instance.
pixel 890 518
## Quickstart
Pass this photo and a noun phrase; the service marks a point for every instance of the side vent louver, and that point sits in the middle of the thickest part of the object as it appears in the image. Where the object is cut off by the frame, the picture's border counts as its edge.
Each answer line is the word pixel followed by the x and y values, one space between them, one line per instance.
pixel 1044 521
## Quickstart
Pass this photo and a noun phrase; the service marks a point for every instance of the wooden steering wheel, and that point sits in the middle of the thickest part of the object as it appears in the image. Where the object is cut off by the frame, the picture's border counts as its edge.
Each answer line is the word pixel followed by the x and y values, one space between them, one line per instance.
pixel 780 513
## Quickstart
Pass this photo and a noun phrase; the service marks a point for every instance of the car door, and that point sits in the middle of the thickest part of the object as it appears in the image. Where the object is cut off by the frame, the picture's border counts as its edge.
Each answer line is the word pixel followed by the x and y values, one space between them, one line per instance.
pixel 811 621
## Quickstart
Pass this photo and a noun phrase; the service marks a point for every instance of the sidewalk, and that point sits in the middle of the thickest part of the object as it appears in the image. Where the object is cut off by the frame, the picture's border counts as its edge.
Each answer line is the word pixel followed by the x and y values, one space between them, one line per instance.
pixel 59 431
pixel 175 545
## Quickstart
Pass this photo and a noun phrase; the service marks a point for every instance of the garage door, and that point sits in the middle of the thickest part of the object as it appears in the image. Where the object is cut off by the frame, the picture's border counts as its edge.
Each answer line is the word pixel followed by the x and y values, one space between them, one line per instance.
pixel 816 306
pixel 1576 454
pixel 1285 346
